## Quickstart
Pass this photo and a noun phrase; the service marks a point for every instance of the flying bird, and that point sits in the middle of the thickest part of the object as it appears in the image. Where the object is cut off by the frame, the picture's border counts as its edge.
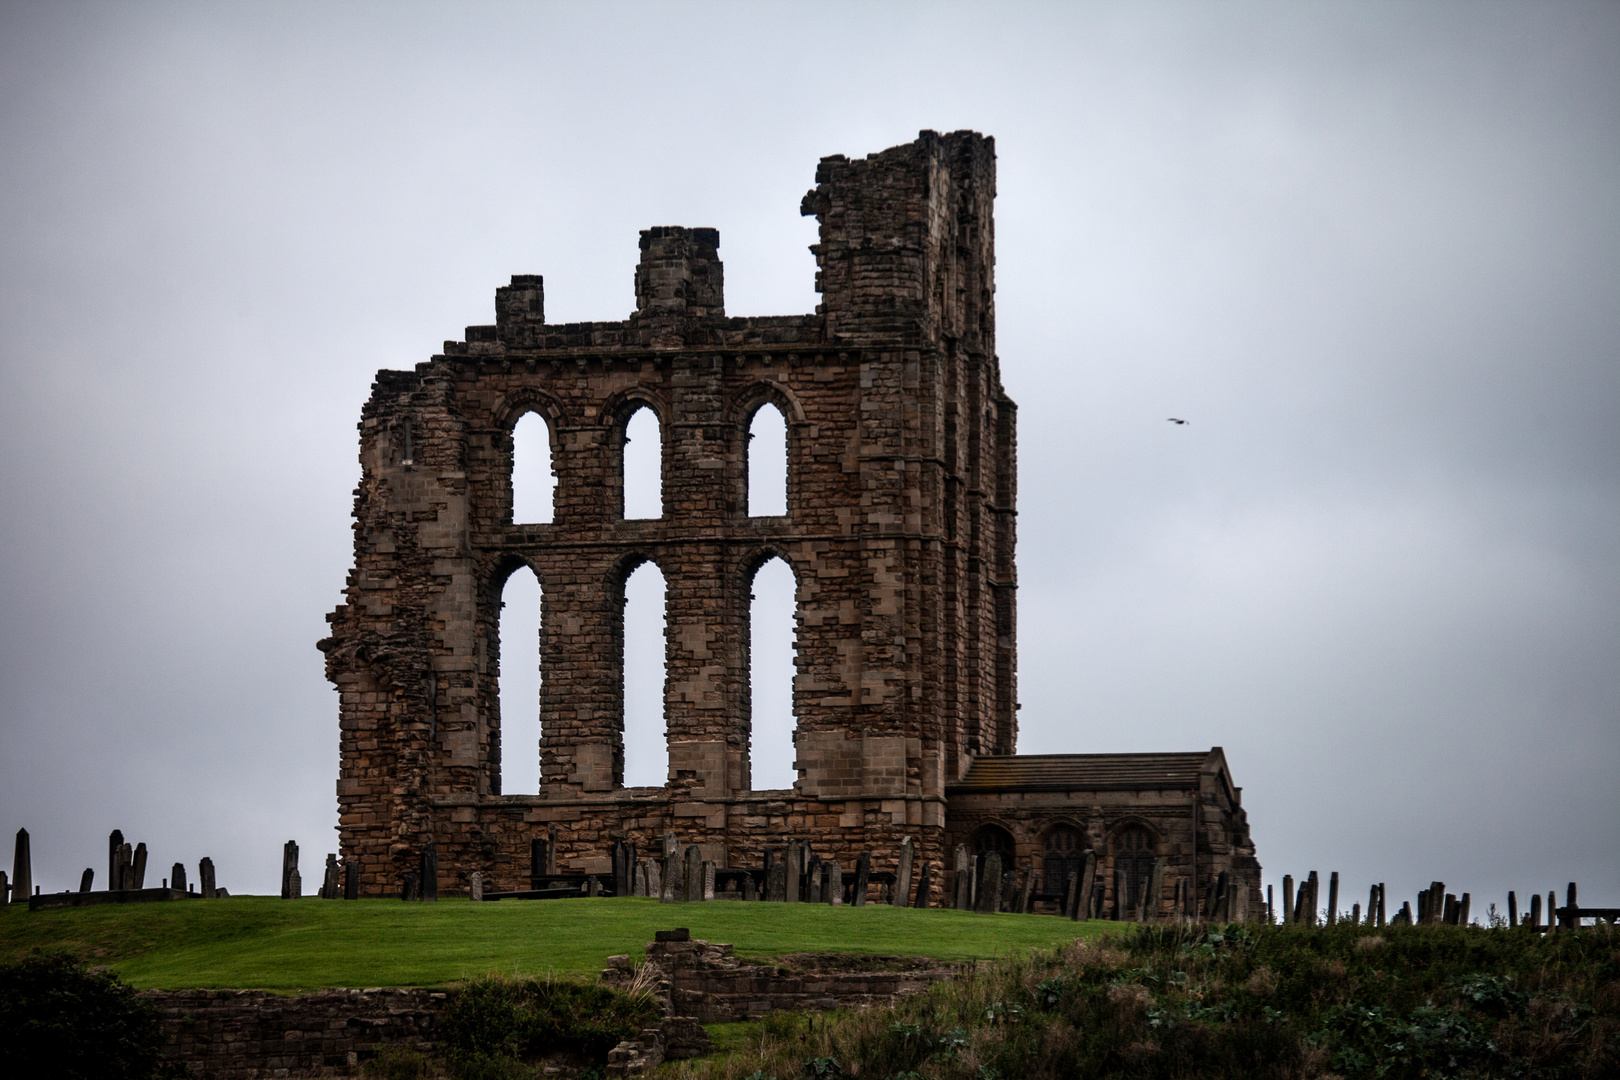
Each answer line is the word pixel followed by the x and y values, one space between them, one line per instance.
pixel 1175 420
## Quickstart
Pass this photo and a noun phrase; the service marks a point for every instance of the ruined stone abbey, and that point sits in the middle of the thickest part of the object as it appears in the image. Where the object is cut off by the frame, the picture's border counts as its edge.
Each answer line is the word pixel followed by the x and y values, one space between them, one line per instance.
pixel 900 531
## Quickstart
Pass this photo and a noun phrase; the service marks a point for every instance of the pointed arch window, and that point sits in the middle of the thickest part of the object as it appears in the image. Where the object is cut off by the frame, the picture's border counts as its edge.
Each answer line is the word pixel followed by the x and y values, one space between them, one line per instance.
pixel 534 483
pixel 645 741
pixel 1060 857
pixel 517 741
pixel 643 466
pixel 767 463
pixel 772 629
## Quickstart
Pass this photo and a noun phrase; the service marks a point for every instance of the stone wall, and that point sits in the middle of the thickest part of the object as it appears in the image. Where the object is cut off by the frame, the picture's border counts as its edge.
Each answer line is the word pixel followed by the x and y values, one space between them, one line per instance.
pixel 252 1034
pixel 899 530
pixel 704 980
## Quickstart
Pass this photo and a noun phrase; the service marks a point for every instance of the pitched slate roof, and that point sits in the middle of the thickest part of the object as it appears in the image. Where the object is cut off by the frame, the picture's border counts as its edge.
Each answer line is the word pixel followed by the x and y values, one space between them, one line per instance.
pixel 1087 772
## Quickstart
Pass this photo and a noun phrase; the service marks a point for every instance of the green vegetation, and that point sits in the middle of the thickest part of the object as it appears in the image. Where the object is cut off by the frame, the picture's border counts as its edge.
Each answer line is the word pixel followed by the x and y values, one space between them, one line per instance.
pixel 497 1026
pixel 266 943
pixel 60 1020
pixel 1277 1002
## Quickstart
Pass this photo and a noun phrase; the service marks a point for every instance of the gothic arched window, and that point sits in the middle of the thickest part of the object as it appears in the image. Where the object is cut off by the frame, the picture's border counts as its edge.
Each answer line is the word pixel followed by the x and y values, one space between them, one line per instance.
pixel 1060 858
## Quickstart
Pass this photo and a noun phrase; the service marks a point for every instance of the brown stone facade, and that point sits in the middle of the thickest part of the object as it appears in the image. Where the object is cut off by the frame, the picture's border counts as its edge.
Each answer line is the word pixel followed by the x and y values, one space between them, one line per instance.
pixel 900 532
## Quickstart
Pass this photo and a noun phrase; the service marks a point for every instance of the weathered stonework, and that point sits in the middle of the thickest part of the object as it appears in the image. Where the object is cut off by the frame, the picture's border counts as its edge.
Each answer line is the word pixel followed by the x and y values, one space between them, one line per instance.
pixel 901 486
pixel 900 531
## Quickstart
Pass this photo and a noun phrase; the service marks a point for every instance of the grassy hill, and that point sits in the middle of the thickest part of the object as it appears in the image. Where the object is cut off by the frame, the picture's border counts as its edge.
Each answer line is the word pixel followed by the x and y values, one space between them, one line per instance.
pixel 266 943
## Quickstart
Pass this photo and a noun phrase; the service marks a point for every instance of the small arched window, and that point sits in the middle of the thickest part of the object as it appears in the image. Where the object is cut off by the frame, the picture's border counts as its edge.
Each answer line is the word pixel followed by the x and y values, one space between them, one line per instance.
pixel 643 466
pixel 1060 857
pixel 767 463
pixel 533 483
pixel 993 838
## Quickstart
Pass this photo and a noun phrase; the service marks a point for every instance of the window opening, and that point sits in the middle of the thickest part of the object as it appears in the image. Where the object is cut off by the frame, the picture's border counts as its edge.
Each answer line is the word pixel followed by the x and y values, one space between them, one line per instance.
pixel 643 466
pixel 771 669
pixel 533 483
pixel 646 746
pixel 519 685
pixel 767 463
pixel 994 838
pixel 1060 858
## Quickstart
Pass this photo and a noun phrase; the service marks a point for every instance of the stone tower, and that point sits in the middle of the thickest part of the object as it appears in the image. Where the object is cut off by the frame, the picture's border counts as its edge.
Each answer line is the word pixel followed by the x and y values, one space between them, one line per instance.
pixel 900 531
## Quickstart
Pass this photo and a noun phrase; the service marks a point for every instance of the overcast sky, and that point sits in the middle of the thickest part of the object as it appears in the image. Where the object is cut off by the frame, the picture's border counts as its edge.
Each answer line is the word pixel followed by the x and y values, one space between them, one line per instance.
pixel 1370 252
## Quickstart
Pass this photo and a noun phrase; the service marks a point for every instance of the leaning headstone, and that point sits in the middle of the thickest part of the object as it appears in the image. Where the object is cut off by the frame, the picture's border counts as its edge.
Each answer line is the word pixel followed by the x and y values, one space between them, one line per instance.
pixel 332 882
pixel 863 874
pixel 5 889
pixel 833 876
pixel 693 892
pixel 902 874
pixel 295 885
pixel 351 880
pixel 1088 885
pixel 961 880
pixel 430 872
pixel 475 886
pixel 1155 889
pixel 205 878
pixel 708 880
pixel 776 882
pixel 138 867
pixel 86 879
pixel 537 862
pixel 1071 897
pixel 115 841
pixel 1026 894
pixel 925 885
pixel 1010 887
pixel 177 878
pixel 22 868
pixel 812 891
pixel 289 863
pixel 989 890
pixel 794 867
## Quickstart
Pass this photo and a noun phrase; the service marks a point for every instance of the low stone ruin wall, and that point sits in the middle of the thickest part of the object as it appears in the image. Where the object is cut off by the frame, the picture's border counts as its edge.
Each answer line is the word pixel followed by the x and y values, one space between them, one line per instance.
pixel 705 980
pixel 252 1034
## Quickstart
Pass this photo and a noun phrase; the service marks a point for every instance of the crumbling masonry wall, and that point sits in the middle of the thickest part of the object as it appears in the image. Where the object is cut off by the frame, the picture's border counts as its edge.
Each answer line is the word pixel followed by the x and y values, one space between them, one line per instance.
pixel 899 530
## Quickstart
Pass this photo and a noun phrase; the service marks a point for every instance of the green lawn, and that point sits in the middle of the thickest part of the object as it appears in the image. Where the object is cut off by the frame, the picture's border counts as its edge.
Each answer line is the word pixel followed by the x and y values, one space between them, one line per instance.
pixel 261 942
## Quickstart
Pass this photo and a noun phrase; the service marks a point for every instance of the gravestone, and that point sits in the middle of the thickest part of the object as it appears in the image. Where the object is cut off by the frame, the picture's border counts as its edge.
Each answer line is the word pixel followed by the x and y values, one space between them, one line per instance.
pixel 475 885
pixel 5 889
pixel 1315 887
pixel 693 892
pixel 925 885
pixel 1288 898
pixel 1071 897
pixel 833 877
pixel 708 880
pixel 863 874
pixel 962 880
pixel 974 870
pixel 674 882
pixel 793 868
pixel 776 882
pixel 593 886
pixel 1222 908
pixel 1122 899
pixel 1026 894
pixel 638 879
pixel 551 849
pixel 902 875
pixel 1155 890
pixel 655 878
pixel 989 883
pixel 295 885
pixel 408 890
pixel 814 895
pixel 430 872
pixel 177 878
pixel 351 879
pixel 1333 898
pixel 126 858
pixel 1099 892
pixel 1010 887
pixel 86 879
pixel 115 840
pixel 205 878
pixel 621 868
pixel 138 867
pixel 332 882
pixel 537 861
pixel 289 863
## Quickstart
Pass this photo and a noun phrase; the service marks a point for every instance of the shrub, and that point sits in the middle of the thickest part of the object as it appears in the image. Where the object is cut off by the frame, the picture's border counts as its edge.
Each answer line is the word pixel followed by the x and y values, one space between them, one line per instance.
pixel 59 1019
pixel 494 1026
